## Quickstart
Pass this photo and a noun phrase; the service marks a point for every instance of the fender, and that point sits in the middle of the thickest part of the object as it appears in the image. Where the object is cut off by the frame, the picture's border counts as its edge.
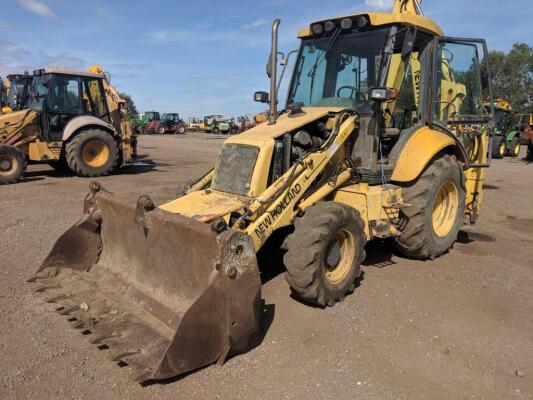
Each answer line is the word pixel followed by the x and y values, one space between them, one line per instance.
pixel 511 135
pixel 418 150
pixel 79 122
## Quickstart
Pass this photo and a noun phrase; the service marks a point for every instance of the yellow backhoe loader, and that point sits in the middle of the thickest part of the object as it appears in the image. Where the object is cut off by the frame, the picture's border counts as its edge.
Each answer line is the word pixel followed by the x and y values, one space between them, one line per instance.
pixel 72 119
pixel 16 92
pixel 384 135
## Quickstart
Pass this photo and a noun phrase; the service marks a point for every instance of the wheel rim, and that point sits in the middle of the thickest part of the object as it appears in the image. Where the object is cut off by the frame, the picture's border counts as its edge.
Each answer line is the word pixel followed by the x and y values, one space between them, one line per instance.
pixel 517 149
pixel 339 257
pixel 8 164
pixel 445 208
pixel 502 149
pixel 95 153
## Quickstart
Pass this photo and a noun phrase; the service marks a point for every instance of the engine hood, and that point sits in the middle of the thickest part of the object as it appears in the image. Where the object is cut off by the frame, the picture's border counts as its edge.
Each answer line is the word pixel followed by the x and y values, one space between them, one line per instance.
pixel 285 123
pixel 205 205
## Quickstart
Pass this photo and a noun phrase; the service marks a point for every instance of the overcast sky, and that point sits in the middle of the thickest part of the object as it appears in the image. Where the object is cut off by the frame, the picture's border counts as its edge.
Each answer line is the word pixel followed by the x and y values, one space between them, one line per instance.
pixel 206 57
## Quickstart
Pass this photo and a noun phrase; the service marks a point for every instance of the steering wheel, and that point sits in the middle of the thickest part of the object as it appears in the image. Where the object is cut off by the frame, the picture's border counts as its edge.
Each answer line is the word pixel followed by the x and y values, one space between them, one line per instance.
pixel 355 93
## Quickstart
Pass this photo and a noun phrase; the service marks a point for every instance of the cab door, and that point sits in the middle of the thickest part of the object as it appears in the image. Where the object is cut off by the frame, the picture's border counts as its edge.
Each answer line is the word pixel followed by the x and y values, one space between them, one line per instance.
pixel 461 99
pixel 64 102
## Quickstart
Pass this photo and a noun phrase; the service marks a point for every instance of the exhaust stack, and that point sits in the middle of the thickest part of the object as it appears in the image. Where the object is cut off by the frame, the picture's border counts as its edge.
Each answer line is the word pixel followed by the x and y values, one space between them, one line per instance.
pixel 273 113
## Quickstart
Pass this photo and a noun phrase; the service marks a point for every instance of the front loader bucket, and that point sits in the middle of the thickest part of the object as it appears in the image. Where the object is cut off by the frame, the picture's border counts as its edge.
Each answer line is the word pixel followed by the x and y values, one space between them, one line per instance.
pixel 164 293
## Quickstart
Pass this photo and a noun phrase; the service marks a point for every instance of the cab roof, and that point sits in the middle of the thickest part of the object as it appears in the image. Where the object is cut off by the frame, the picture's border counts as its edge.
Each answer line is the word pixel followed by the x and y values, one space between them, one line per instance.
pixel 66 71
pixel 379 19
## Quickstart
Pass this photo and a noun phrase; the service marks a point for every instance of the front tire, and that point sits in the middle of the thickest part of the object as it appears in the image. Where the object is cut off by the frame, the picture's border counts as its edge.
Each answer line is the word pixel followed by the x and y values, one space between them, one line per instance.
pixel 181 129
pixel 514 149
pixel 92 152
pixel 499 148
pixel 12 164
pixel 430 225
pixel 325 252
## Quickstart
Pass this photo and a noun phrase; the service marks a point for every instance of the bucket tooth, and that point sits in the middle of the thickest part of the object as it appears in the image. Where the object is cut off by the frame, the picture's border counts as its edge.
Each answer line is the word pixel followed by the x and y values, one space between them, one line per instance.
pixel 124 355
pixel 55 299
pixel 43 289
pixel 68 310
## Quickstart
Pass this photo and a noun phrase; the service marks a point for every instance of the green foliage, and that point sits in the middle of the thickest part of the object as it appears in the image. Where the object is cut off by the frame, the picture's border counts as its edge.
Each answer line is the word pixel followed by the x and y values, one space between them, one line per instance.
pixel 512 76
pixel 130 105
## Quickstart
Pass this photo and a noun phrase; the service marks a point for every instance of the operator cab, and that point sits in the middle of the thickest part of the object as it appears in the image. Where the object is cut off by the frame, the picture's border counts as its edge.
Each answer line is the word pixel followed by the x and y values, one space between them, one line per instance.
pixel 19 91
pixel 61 95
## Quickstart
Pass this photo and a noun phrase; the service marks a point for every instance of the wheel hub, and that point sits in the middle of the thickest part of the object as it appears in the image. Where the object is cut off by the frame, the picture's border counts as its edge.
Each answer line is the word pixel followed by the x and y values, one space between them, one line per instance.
pixel 502 149
pixel 445 208
pixel 7 164
pixel 339 256
pixel 95 153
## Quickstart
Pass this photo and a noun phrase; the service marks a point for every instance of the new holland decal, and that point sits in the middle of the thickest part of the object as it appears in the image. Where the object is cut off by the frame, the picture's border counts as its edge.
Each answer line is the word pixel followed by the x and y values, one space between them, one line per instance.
pixel 276 211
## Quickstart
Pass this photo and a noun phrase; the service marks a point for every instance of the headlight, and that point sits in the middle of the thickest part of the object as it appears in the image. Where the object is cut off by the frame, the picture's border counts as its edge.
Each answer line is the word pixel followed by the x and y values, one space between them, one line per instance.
pixel 317 29
pixel 329 26
pixel 346 23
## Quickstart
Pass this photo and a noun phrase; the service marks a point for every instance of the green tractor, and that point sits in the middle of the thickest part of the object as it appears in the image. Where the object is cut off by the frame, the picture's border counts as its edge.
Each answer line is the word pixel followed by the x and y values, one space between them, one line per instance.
pixel 216 124
pixel 507 121
pixel 146 122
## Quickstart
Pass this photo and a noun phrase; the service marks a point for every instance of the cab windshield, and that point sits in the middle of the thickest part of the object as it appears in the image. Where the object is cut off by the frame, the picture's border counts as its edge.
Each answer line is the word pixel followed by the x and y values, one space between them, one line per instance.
pixel 38 92
pixel 338 71
pixel 501 120
pixel 18 93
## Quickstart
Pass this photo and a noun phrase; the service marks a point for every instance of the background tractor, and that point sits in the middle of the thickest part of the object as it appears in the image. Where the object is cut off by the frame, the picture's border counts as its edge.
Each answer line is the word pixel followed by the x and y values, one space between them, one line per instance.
pixel 337 168
pixel 216 124
pixel 507 122
pixel 73 119
pixel 171 123
pixel 148 122
pixel 195 124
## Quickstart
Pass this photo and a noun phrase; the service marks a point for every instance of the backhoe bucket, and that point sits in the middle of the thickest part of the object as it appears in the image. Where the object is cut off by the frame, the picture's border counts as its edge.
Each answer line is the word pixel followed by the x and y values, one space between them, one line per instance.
pixel 164 293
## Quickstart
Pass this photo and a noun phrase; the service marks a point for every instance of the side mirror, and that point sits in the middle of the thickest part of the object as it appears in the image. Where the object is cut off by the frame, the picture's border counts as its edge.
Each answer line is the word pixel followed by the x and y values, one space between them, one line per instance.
pixel 409 42
pixel 383 94
pixel 261 97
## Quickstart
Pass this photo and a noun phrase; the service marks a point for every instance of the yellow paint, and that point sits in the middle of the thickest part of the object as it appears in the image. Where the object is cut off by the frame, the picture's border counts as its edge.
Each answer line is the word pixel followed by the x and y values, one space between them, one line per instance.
pixel 379 19
pixel 374 203
pixel 285 123
pixel 44 151
pixel 347 246
pixel 420 148
pixel 445 209
pixel 205 205
pixel 95 153
pixel 276 206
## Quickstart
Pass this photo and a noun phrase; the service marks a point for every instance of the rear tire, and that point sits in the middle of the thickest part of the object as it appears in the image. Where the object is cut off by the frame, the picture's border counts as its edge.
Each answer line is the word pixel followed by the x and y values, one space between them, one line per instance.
pixel 499 148
pixel 325 252
pixel 514 149
pixel 160 129
pixel 12 164
pixel 92 152
pixel 529 155
pixel 430 225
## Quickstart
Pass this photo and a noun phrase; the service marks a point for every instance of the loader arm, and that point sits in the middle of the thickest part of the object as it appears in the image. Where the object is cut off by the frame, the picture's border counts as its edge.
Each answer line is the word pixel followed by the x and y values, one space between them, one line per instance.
pixel 277 206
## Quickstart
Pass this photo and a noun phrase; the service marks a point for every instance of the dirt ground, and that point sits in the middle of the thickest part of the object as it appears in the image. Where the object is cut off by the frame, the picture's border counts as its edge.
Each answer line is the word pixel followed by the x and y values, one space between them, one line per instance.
pixel 459 327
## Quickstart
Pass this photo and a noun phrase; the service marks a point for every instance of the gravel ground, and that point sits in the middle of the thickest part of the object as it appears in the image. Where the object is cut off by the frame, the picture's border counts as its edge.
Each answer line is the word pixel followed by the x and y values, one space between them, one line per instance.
pixel 459 327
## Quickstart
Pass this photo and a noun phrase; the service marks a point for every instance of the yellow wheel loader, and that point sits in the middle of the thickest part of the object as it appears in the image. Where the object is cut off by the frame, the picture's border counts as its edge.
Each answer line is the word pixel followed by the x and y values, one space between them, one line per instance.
pixel 384 135
pixel 71 119
pixel 16 92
